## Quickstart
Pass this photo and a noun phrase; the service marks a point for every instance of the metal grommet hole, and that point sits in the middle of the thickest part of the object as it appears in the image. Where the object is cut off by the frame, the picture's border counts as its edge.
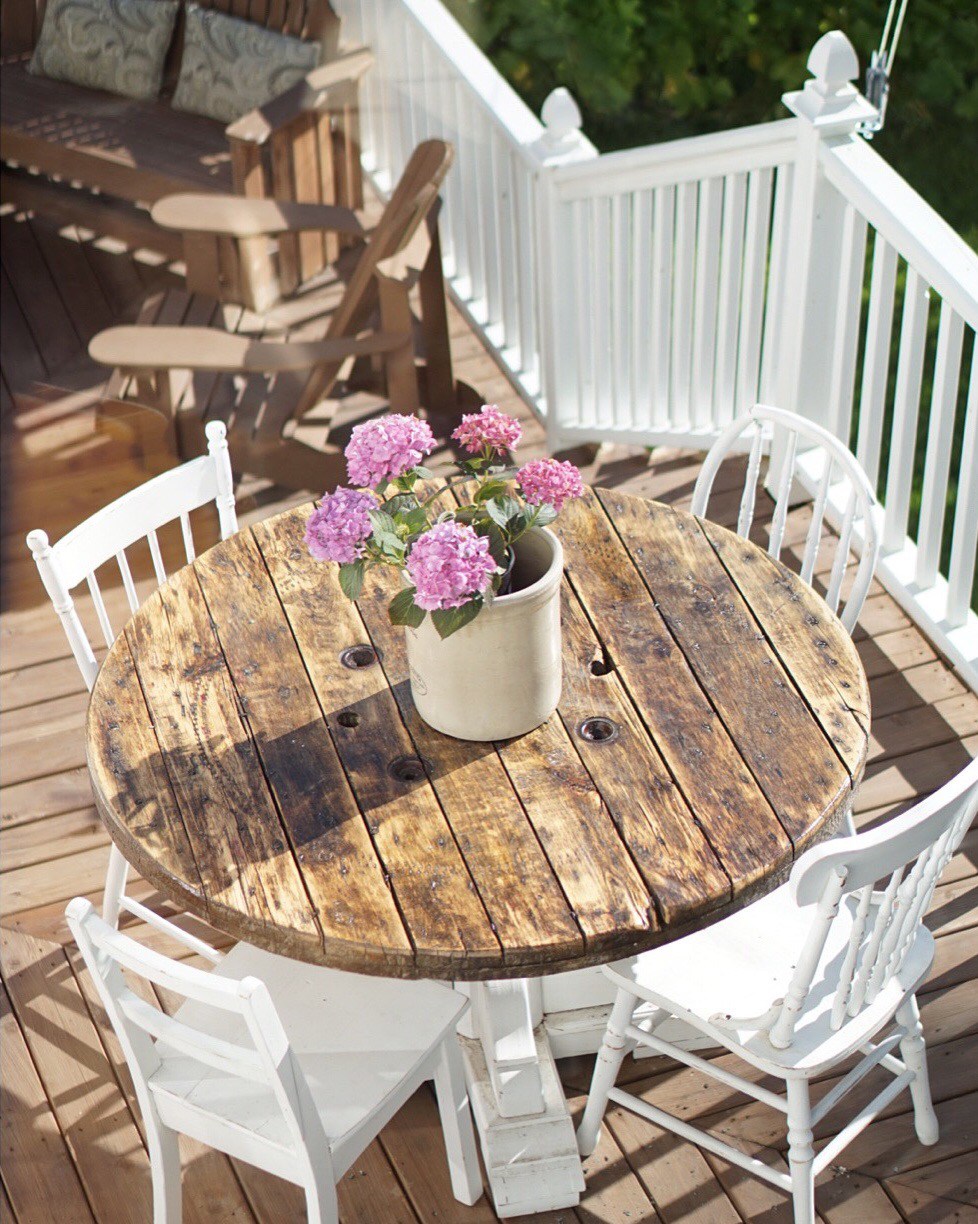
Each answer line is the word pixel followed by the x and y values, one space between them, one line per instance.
pixel 408 769
pixel 348 719
pixel 355 657
pixel 598 730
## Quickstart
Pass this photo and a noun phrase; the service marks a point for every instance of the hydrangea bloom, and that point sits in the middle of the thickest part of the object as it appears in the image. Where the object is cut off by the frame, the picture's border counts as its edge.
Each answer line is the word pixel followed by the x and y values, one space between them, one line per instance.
pixel 488 427
pixel 550 480
pixel 448 565
pixel 336 531
pixel 387 448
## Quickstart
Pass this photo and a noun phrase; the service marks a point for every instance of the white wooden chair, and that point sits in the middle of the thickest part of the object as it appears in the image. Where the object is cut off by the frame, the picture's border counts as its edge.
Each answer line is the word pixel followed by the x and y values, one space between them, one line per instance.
pixel 798 982
pixel 287 1066
pixel 839 482
pixel 105 537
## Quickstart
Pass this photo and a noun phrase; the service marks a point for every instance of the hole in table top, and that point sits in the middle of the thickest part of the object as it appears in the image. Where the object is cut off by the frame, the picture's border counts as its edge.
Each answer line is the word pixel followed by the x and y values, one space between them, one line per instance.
pixel 598 730
pixel 355 657
pixel 348 719
pixel 601 664
pixel 408 769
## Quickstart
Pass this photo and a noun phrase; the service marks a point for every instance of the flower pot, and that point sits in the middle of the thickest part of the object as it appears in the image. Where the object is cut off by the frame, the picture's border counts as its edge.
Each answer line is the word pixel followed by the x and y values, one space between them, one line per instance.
pixel 500 675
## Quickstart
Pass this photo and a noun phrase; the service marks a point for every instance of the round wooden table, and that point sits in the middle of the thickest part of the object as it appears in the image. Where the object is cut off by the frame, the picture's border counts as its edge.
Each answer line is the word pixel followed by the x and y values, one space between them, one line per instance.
pixel 255 754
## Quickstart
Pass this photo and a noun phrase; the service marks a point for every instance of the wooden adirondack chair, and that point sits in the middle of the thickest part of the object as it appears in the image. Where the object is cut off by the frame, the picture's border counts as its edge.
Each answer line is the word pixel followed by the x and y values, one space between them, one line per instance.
pixel 289 359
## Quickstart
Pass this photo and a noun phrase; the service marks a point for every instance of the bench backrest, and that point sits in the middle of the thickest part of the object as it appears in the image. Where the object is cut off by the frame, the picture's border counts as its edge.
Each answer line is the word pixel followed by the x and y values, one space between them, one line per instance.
pixel 20 23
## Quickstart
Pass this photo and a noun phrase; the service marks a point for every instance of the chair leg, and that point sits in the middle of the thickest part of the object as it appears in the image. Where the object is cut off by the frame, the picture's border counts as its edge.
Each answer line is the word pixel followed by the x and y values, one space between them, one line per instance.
pixel 801 1152
pixel 614 1047
pixel 914 1053
pixel 456 1123
pixel 321 1203
pixel 115 885
pixel 164 1161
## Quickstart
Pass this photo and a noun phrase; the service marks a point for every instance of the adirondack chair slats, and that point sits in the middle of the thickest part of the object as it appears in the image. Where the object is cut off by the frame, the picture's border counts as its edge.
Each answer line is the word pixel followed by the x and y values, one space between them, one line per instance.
pixel 372 316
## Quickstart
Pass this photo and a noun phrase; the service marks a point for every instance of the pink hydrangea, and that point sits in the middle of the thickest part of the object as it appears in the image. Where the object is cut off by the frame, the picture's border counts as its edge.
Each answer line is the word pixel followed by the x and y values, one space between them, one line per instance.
pixel 387 448
pixel 336 531
pixel 550 480
pixel 488 427
pixel 448 565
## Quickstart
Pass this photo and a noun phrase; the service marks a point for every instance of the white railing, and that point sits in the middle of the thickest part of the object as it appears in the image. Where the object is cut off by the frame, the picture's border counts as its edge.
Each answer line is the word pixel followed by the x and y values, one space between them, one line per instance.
pixel 430 79
pixel 667 285
pixel 917 260
pixel 648 296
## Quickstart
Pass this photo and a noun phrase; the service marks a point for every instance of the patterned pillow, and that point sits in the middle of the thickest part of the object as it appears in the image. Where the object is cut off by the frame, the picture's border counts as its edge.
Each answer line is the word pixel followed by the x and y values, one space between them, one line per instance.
pixel 117 45
pixel 229 66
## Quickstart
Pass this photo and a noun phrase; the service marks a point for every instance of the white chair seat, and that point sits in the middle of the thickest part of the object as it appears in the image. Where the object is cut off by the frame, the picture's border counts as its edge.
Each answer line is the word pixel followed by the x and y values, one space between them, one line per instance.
pixel 359 1041
pixel 725 979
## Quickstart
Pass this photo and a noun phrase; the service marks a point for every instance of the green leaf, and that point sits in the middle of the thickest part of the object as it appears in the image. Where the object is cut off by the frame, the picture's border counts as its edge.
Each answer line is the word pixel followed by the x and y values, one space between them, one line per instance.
pixel 425 473
pixel 404 611
pixel 545 514
pixel 497 543
pixel 502 510
pixel 491 489
pixel 415 520
pixel 382 523
pixel 351 579
pixel 449 620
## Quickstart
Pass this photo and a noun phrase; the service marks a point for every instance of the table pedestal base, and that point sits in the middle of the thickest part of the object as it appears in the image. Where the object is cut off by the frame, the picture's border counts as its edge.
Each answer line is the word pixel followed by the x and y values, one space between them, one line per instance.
pixel 510 1040
pixel 532 1160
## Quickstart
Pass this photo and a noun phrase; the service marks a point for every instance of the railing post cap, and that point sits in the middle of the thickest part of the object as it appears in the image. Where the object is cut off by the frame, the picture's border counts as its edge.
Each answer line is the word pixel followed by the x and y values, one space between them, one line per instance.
pixel 829 101
pixel 561 115
pixel 562 139
pixel 833 60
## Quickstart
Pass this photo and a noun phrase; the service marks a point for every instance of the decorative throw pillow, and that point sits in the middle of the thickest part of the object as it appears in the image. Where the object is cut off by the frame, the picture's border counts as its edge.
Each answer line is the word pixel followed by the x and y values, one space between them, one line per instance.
pixel 229 67
pixel 117 45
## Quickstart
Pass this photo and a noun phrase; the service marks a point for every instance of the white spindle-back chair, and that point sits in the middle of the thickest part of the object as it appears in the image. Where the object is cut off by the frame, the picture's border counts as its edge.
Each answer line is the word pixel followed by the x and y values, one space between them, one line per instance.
pixel 798 982
pixel 104 538
pixel 287 1066
pixel 789 439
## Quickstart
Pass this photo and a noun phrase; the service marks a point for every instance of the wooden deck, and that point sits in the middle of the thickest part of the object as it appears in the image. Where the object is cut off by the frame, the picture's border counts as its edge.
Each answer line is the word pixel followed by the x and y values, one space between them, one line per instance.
pixel 71 1140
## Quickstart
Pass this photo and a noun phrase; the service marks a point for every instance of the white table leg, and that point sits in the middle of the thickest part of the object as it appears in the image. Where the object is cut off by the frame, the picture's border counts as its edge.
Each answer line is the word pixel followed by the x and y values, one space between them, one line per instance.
pixel 527 1137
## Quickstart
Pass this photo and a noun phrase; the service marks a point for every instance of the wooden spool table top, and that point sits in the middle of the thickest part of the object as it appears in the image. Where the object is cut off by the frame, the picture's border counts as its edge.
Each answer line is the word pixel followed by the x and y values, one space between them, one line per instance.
pixel 274 779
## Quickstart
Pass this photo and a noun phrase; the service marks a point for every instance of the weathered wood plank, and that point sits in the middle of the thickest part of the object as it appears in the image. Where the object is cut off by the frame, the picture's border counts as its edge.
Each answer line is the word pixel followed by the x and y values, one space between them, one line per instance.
pixel 38 1172
pixel 339 865
pixel 93 1116
pixel 814 649
pixel 782 744
pixel 732 810
pixel 435 892
pixel 469 780
pixel 252 882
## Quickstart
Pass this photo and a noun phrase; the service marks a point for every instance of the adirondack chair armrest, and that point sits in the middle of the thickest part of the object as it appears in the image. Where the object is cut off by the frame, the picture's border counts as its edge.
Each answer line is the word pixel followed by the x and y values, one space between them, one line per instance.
pixel 157 349
pixel 234 216
pixel 327 87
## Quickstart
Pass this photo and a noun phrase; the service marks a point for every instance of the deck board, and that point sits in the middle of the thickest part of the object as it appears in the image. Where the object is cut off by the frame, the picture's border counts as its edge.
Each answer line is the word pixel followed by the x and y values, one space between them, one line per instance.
pixel 68 1129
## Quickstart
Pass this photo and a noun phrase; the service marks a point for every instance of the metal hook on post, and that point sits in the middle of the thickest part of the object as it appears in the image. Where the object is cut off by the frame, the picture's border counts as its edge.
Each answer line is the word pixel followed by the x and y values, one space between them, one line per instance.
pixel 880 65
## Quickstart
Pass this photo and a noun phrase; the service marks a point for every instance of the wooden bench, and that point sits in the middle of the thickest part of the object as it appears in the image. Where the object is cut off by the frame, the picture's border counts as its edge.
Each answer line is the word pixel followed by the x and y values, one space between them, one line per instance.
pixel 100 160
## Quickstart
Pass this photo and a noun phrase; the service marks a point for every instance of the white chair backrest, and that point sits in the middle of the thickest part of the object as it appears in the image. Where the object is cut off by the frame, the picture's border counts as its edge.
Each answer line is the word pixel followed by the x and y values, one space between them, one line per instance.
pixel 134 516
pixel 839 476
pixel 906 856
pixel 145 1031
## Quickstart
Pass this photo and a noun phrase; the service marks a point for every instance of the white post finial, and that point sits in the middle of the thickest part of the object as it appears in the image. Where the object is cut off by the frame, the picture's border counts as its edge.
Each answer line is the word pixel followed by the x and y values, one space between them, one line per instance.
pixel 830 101
pixel 562 140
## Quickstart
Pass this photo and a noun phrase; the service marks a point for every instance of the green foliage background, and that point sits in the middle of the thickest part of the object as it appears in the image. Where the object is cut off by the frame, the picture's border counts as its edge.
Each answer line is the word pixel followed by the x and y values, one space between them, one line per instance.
pixel 650 70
